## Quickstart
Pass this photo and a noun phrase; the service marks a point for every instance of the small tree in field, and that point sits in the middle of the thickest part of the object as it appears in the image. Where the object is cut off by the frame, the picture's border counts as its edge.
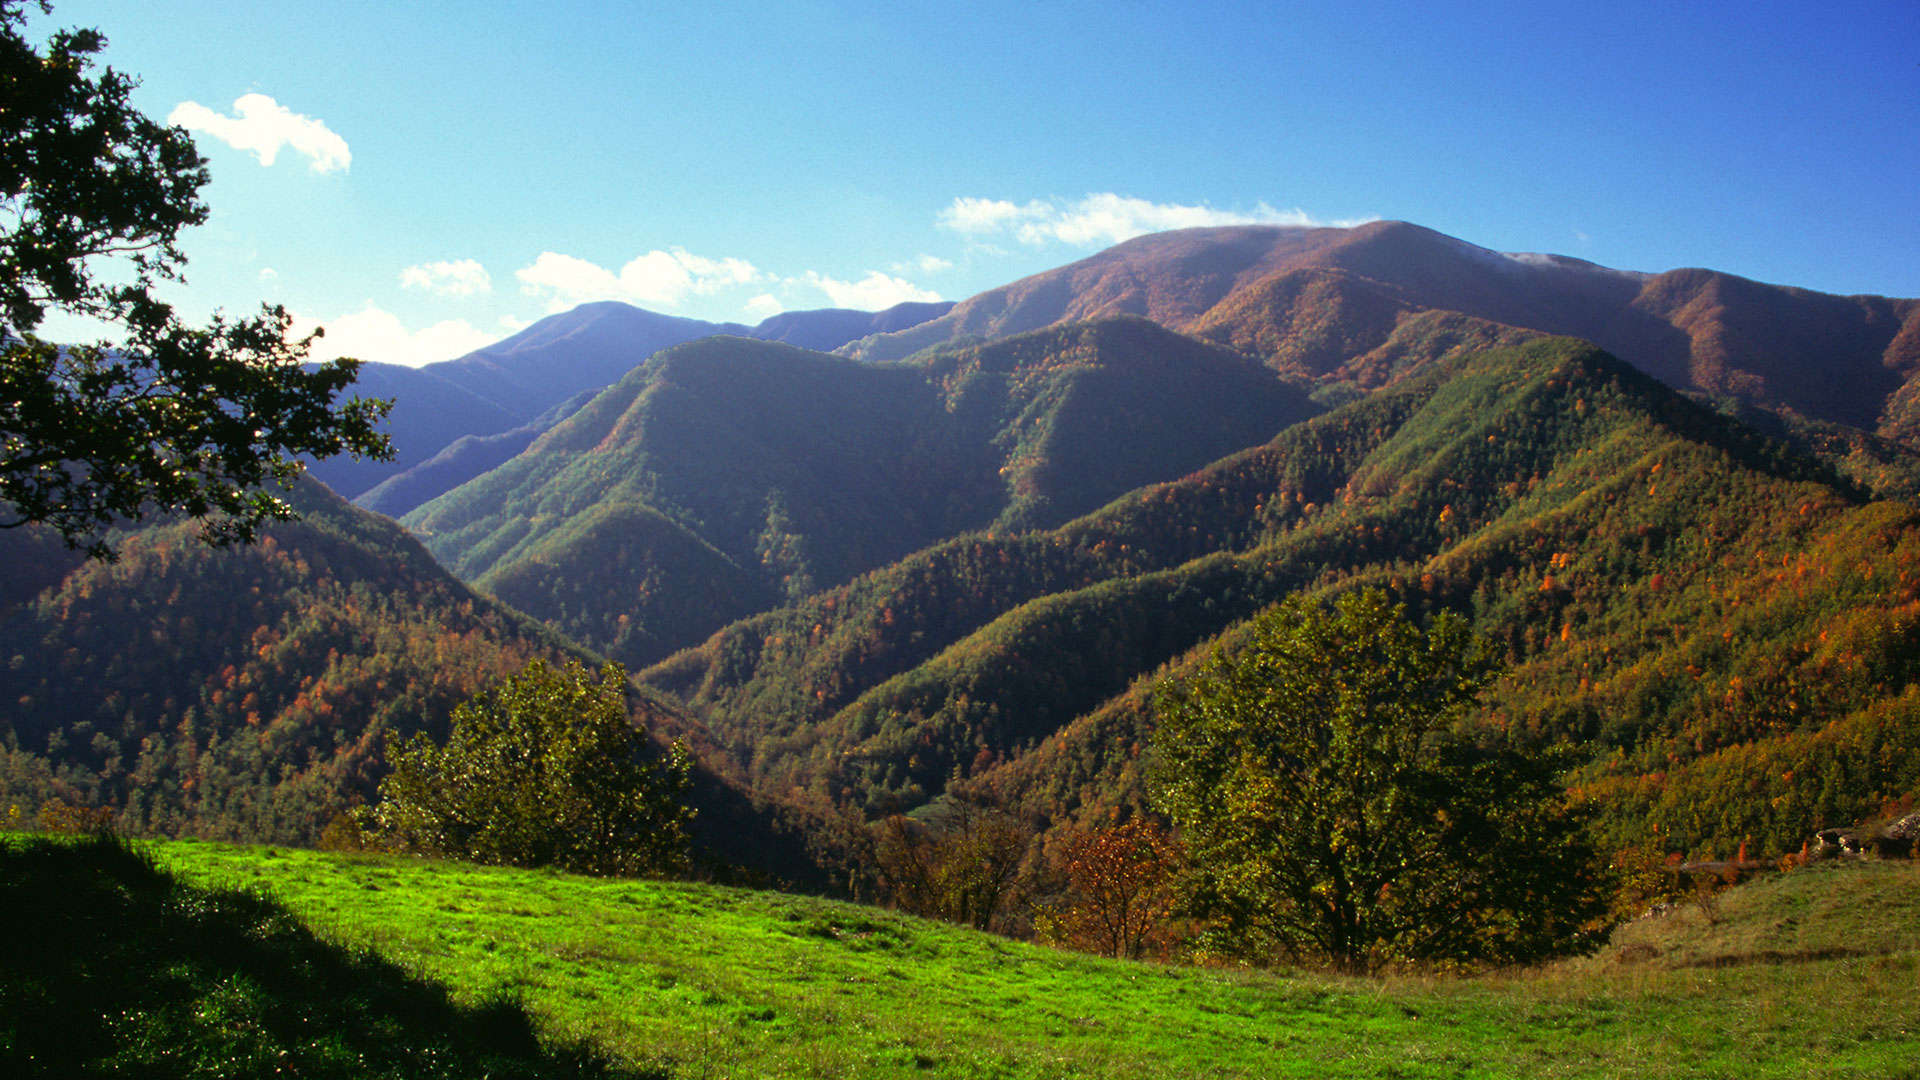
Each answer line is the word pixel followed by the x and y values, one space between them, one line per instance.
pixel 1332 812
pixel 543 770
pixel 1120 887
pixel 966 869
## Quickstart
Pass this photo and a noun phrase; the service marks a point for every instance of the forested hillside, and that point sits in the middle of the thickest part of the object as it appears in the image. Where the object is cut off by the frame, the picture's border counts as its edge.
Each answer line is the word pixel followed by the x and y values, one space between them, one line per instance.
pixel 516 385
pixel 1724 626
pixel 727 475
pixel 244 692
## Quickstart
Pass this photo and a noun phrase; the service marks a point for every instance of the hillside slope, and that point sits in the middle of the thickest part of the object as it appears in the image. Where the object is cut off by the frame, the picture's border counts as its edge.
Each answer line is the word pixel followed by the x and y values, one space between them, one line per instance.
pixel 729 475
pixel 1697 607
pixel 250 693
pixel 245 692
pixel 511 383
pixel 1793 978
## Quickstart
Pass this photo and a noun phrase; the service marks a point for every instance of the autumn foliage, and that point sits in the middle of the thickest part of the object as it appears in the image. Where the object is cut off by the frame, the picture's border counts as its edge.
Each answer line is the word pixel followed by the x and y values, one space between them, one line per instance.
pixel 1121 889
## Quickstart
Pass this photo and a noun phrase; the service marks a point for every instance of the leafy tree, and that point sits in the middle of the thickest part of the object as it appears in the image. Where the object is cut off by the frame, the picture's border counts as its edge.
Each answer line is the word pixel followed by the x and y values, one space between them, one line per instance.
pixel 176 419
pixel 545 769
pixel 1333 814
pixel 1120 887
pixel 964 868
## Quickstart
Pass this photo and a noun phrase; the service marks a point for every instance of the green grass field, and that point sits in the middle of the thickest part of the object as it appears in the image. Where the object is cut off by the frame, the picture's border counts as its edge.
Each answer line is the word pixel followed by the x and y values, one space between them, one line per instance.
pixel 1815 973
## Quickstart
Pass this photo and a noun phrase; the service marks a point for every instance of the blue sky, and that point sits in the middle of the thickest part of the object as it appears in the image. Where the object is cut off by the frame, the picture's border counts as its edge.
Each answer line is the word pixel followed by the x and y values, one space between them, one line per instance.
pixel 423 178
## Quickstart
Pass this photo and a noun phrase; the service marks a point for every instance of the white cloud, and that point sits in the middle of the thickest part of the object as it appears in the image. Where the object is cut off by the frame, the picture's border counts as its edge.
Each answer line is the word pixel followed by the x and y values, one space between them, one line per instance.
pixel 262 126
pixel 659 278
pixel 379 336
pixel 268 273
pixel 765 306
pixel 969 215
pixel 458 277
pixel 1102 218
pixel 874 292
pixel 922 264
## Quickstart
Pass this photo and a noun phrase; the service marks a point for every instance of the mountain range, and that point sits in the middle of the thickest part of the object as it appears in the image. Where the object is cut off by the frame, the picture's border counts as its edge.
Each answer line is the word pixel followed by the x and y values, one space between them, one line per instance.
pixel 726 475
pixel 1324 302
pixel 1722 624
pixel 460 417
pixel 865 563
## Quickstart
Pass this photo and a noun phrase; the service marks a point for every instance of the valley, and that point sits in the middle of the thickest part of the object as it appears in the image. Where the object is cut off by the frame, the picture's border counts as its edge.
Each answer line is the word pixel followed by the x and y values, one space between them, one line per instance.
pixel 858 588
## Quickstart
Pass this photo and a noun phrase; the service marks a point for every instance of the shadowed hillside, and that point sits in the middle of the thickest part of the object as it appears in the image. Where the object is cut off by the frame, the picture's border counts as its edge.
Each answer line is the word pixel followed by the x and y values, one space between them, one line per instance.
pixel 129 971
pixel 729 475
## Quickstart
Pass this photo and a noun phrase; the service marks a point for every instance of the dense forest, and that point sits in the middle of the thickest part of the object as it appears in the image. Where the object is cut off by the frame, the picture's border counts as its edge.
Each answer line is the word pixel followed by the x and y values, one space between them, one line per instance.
pixel 726 476
pixel 1691 602
pixel 246 692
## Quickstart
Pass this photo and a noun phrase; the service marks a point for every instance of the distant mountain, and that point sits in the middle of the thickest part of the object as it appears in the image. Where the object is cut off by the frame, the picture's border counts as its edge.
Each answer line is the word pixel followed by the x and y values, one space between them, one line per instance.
pixel 728 474
pixel 511 383
pixel 594 345
pixel 460 461
pixel 503 386
pixel 1172 278
pixel 1722 626
pixel 586 348
pixel 1308 300
pixel 428 413
pixel 829 328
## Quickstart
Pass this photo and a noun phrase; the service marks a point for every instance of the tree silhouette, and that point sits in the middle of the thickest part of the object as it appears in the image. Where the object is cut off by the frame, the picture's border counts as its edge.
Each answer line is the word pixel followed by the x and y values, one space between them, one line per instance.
pixel 174 419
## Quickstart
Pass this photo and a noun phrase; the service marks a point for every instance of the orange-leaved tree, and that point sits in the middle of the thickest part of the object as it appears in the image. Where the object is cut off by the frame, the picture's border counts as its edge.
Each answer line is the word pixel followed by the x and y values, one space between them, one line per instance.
pixel 1120 888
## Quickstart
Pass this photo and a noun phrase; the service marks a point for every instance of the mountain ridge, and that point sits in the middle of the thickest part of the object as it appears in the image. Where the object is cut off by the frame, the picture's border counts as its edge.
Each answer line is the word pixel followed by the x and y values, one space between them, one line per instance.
pixel 1557 495
pixel 777 470
pixel 511 383
pixel 1828 357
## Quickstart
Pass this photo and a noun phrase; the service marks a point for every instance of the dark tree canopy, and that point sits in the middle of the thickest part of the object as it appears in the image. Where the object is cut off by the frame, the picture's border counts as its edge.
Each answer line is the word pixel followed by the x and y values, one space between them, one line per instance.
pixel 1333 814
pixel 545 769
pixel 963 866
pixel 174 419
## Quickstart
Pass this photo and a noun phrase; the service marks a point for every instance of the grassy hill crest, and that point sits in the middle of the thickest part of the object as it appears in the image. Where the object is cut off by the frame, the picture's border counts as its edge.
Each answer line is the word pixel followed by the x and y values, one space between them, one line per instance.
pixel 1786 977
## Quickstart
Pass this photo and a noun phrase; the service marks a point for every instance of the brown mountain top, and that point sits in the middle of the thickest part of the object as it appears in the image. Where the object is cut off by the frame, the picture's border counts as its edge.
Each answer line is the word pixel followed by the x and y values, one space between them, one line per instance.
pixel 1309 300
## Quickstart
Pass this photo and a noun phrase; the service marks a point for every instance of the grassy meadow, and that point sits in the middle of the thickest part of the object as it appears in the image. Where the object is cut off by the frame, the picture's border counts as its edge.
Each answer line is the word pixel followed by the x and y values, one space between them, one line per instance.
pixel 1809 974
